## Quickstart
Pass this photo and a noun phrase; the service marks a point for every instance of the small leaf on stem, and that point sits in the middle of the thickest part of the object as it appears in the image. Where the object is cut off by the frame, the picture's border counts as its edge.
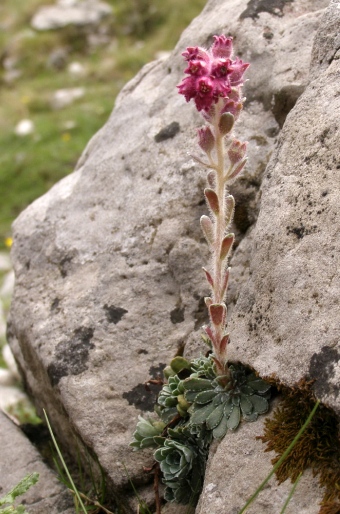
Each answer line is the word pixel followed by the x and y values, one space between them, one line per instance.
pixel 208 229
pixel 208 277
pixel 208 301
pixel 226 245
pixel 210 334
pixel 212 200
pixel 218 313
pixel 225 282
pixel 238 169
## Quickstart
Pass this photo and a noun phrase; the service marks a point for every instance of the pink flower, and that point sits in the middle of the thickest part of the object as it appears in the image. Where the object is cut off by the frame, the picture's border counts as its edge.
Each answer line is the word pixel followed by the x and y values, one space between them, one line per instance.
pixel 212 74
pixel 237 151
pixel 222 46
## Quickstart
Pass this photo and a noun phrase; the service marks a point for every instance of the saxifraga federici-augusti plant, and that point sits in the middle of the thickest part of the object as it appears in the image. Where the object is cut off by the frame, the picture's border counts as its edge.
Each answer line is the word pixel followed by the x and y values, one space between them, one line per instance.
pixel 204 398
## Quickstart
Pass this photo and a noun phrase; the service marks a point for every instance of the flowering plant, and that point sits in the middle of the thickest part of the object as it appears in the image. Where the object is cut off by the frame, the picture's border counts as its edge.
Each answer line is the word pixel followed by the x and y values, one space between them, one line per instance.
pixel 214 83
pixel 204 398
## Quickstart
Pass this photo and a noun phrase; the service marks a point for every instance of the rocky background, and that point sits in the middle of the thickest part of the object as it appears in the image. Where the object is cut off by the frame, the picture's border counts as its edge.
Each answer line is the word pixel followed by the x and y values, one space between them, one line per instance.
pixel 109 284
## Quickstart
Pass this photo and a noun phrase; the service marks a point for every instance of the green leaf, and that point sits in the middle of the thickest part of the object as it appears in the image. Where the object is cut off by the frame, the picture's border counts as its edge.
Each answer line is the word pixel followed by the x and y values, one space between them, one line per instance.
pixel 260 404
pixel 234 419
pixel 205 397
pixel 197 384
pixel 201 415
pixel 190 396
pixel 246 405
pixel 218 399
pixel 236 400
pixel 20 488
pixel 215 417
pixel 259 385
pixel 228 408
pixel 251 417
pixel 179 363
pixel 221 429
pixel 247 390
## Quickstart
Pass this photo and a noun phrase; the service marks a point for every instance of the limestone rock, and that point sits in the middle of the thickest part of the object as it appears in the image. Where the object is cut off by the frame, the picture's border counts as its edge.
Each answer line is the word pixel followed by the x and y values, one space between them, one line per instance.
pixel 286 321
pixel 238 465
pixel 20 458
pixel 108 263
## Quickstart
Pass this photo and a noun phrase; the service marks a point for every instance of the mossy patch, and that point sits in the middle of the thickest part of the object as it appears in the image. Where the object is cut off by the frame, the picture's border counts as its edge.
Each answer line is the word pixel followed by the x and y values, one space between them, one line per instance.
pixel 318 448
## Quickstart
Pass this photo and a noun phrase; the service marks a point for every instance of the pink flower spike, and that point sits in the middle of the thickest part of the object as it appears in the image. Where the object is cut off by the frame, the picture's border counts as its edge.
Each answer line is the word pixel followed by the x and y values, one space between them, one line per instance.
pixel 197 68
pixel 222 46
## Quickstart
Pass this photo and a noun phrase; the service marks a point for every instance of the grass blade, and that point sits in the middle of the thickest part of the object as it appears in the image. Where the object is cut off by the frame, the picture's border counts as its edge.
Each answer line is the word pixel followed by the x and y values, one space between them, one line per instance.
pixel 282 458
pixel 64 464
pixel 291 493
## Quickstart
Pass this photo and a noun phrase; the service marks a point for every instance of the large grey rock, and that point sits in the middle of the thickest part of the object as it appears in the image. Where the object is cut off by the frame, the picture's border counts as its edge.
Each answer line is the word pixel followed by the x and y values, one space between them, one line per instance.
pixel 238 465
pixel 287 318
pixel 108 263
pixel 19 458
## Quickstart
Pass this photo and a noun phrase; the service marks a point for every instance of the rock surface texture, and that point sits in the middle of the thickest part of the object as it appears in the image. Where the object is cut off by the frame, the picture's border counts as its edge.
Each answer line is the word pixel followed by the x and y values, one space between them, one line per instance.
pixel 109 284
pixel 20 458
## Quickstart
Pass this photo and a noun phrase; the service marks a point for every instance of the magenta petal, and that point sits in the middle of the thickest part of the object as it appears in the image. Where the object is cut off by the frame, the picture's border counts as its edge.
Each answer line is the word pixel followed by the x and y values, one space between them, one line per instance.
pixel 196 52
pixel 222 46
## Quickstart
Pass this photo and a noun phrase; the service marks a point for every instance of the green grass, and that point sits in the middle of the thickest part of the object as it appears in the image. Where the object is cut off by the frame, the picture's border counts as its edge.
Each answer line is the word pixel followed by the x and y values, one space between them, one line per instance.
pixel 30 165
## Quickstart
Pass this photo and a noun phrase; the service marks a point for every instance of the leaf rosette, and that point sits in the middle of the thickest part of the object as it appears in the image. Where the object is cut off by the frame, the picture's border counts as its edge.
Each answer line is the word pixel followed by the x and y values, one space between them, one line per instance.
pixel 182 462
pixel 221 406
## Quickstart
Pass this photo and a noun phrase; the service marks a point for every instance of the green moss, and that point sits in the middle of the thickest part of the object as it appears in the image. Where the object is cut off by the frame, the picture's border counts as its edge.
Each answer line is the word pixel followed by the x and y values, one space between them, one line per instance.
pixel 318 448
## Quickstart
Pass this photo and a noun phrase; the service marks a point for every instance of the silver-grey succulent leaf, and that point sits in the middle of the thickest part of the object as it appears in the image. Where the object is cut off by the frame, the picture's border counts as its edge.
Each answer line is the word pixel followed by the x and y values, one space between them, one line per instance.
pixel 147 434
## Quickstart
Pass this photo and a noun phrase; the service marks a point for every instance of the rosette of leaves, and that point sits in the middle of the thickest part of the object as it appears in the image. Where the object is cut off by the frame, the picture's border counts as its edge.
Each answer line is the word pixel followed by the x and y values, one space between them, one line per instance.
pixel 147 434
pixel 203 366
pixel 222 402
pixel 171 400
pixel 182 460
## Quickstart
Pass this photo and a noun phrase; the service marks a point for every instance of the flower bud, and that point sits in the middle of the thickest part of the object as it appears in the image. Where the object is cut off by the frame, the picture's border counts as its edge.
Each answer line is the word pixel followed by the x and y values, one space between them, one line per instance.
pixel 206 139
pixel 226 123
pixel 236 151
